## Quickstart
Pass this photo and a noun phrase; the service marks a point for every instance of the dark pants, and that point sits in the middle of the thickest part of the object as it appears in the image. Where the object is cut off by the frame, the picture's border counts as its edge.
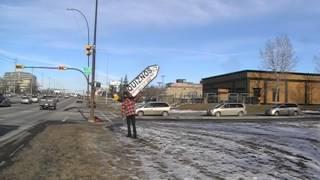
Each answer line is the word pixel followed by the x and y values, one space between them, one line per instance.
pixel 132 120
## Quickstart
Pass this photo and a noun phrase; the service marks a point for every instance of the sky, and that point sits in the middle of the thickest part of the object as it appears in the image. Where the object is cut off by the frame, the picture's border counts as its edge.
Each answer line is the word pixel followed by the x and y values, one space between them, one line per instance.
pixel 188 39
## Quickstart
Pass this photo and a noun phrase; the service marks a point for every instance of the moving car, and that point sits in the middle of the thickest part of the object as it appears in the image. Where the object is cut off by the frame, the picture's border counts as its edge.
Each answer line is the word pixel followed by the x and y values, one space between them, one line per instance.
pixel 48 102
pixel 25 100
pixel 153 108
pixel 284 109
pixel 4 102
pixel 34 99
pixel 227 109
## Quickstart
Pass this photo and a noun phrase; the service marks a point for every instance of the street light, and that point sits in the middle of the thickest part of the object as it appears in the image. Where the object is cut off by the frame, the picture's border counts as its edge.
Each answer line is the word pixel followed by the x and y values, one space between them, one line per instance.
pixel 88 42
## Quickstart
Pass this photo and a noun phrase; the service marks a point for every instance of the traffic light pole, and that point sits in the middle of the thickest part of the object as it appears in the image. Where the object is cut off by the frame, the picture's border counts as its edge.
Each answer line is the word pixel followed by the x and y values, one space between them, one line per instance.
pixel 56 68
pixel 93 89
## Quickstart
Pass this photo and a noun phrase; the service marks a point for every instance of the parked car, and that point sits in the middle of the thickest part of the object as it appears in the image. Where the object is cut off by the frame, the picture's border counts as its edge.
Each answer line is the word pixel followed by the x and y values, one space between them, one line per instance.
pixel 25 100
pixel 34 99
pixel 48 102
pixel 227 109
pixel 153 108
pixel 4 102
pixel 284 109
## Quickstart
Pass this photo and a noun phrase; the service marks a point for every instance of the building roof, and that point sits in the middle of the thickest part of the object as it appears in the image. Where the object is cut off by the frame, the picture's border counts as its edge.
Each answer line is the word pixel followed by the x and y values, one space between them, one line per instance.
pixel 259 71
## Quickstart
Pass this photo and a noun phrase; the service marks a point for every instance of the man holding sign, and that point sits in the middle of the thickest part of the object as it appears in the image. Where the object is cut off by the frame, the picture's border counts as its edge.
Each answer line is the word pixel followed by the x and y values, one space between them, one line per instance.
pixel 128 111
pixel 130 95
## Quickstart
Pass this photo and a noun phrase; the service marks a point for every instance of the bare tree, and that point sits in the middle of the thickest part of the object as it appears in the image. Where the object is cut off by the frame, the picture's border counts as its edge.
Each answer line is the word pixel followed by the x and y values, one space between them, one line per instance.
pixel 279 57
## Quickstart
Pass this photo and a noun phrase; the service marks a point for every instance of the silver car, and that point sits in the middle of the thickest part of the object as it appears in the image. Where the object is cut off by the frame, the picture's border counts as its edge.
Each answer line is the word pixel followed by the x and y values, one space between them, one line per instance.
pixel 227 109
pixel 25 100
pixel 34 99
pixel 153 108
pixel 284 109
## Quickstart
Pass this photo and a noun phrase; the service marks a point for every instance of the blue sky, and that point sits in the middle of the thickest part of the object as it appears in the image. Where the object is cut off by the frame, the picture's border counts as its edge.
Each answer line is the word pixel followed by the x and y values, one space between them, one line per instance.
pixel 189 39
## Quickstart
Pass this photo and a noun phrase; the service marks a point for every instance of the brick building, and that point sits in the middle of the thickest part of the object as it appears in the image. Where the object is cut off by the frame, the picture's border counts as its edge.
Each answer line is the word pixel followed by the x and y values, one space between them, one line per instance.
pixel 300 88
pixel 182 91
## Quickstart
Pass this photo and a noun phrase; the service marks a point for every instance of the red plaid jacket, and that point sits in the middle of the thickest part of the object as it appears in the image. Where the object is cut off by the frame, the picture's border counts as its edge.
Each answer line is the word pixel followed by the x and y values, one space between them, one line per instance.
pixel 128 107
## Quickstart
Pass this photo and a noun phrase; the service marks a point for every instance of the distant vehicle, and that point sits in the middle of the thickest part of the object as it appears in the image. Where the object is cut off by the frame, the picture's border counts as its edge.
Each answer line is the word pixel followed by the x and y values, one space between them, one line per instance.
pixel 25 100
pixel 227 109
pixel 34 99
pixel 4 102
pixel 284 109
pixel 153 108
pixel 48 102
pixel 57 98
pixel 66 96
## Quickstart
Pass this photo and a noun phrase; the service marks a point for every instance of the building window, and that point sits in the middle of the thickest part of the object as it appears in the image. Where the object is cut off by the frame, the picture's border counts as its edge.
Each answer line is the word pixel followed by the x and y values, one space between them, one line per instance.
pixel 275 94
pixel 256 92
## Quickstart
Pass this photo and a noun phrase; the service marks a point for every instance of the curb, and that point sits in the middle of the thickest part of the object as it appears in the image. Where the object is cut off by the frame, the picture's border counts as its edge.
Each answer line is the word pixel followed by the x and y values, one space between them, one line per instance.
pixel 13 141
pixel 243 118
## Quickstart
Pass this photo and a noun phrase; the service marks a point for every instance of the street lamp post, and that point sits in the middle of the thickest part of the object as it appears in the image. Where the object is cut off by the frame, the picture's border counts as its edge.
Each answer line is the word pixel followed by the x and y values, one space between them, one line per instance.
pixel 92 102
pixel 88 42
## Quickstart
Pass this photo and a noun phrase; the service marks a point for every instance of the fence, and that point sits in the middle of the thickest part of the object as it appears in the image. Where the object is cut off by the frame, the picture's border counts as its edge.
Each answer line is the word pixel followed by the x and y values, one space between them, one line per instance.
pixel 231 97
pixel 178 100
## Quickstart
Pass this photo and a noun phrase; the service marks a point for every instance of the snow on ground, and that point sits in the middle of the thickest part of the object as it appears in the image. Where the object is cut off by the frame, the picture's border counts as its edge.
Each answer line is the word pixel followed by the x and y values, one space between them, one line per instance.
pixel 208 150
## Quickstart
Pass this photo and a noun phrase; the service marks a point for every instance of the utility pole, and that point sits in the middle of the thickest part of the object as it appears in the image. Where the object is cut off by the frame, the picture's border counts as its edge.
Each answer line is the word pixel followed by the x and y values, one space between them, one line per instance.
pixel 107 86
pixel 15 76
pixel 92 102
pixel 163 85
pixel 31 83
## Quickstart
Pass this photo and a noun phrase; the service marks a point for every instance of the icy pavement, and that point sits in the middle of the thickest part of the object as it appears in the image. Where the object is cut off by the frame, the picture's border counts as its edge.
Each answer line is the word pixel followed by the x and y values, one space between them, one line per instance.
pixel 208 150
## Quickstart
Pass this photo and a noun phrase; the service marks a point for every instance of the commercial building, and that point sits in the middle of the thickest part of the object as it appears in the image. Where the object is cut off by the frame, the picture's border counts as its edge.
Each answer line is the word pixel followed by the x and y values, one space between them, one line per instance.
pixel 20 82
pixel 2 86
pixel 261 87
pixel 183 91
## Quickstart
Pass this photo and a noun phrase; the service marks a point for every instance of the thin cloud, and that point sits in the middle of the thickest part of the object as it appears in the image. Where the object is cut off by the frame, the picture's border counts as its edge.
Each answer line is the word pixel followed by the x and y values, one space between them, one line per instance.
pixel 52 15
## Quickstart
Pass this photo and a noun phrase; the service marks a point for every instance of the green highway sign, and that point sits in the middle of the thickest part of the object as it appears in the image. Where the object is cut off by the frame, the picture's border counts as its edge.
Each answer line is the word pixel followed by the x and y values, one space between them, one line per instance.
pixel 87 70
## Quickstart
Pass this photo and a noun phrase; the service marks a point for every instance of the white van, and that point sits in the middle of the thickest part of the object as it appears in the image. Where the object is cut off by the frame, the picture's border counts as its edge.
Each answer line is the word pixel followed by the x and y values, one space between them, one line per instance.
pixel 153 108
pixel 227 109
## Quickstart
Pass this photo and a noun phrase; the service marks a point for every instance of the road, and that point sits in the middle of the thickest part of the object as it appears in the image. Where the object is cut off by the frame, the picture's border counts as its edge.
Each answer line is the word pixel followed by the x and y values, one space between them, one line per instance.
pixel 20 115
pixel 228 149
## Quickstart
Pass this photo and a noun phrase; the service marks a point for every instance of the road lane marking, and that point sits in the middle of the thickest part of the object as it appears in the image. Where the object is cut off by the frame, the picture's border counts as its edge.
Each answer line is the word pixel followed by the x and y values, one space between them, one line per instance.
pixel 114 115
pixel 105 117
pixel 65 119
pixel 6 108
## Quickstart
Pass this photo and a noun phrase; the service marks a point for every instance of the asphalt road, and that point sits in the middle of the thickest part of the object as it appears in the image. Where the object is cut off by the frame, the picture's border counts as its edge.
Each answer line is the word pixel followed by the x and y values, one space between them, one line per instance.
pixel 28 114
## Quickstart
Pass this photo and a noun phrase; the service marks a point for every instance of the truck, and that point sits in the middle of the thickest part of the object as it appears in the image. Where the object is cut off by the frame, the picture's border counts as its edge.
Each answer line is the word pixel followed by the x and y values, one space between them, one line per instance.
pixel 48 102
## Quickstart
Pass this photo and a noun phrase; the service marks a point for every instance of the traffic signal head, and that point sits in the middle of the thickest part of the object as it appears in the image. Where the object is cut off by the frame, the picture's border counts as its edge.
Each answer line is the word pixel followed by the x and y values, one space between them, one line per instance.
pixel 19 66
pixel 62 68
pixel 88 49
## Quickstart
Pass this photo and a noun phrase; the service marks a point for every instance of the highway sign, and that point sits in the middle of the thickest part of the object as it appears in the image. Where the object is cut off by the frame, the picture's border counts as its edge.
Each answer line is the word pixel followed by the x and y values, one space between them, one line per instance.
pixel 87 70
pixel 143 79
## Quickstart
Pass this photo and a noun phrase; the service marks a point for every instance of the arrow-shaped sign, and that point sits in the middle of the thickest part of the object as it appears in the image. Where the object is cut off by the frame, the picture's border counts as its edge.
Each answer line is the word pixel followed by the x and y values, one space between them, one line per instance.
pixel 143 79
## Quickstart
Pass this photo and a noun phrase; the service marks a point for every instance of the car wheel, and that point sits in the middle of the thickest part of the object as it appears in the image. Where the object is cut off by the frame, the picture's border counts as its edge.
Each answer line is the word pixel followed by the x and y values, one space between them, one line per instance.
pixel 276 113
pixel 165 114
pixel 240 114
pixel 140 113
pixel 295 113
pixel 218 114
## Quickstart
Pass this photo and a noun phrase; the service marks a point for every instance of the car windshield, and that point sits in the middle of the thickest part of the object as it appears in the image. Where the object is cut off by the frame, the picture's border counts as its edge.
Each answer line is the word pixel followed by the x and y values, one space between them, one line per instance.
pixel 276 106
pixel 218 105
